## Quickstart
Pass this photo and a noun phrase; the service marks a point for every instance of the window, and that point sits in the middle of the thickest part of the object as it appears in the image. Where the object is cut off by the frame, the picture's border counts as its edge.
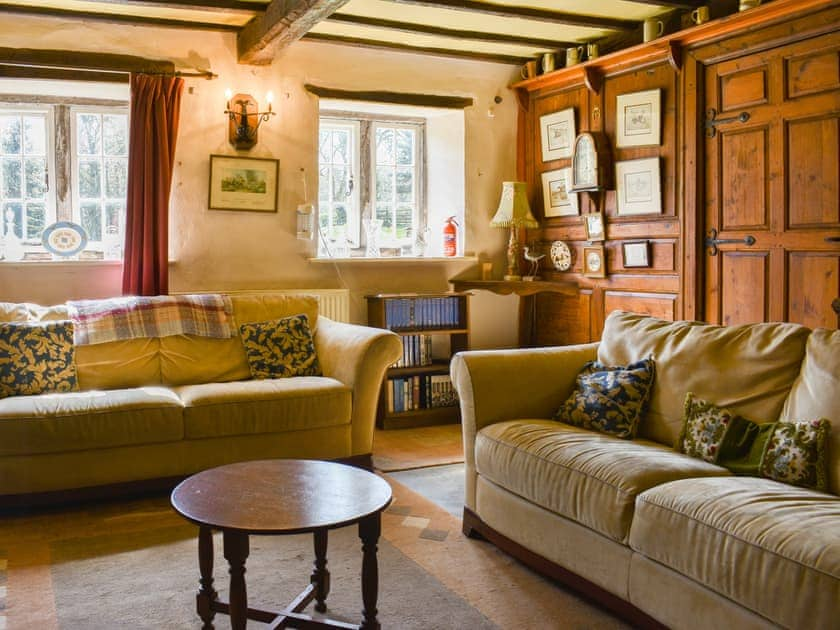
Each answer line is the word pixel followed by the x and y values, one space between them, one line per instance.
pixel 62 159
pixel 370 167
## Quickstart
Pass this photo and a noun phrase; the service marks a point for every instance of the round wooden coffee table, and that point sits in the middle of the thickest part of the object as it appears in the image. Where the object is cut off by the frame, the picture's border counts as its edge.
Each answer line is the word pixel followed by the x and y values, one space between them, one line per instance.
pixel 276 497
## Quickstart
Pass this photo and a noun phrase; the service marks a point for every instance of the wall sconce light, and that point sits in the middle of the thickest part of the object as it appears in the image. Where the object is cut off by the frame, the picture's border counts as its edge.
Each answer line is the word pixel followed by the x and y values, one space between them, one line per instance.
pixel 245 118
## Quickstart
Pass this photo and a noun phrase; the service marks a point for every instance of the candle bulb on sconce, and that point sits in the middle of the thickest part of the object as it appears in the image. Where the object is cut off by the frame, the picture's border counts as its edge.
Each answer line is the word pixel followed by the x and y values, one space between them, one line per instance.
pixel 245 118
pixel 269 98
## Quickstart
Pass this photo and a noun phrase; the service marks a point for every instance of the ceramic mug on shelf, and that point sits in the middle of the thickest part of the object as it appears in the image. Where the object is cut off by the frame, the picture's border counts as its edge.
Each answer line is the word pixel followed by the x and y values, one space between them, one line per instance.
pixel 548 62
pixel 700 15
pixel 653 28
pixel 529 70
pixel 573 55
pixel 743 5
pixel 592 51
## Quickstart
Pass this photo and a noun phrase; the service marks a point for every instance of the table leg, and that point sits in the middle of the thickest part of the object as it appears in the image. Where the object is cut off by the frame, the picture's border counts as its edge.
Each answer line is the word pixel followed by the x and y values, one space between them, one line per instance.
pixel 236 552
pixel 320 576
pixel 206 593
pixel 369 529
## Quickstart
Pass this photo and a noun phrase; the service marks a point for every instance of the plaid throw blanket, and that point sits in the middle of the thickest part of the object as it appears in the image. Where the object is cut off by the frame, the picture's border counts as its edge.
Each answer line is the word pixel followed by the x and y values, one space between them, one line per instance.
pixel 100 321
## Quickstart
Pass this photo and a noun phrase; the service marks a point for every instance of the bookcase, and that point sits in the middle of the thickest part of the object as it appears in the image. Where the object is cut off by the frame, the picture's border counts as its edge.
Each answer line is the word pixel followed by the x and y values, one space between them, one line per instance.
pixel 416 390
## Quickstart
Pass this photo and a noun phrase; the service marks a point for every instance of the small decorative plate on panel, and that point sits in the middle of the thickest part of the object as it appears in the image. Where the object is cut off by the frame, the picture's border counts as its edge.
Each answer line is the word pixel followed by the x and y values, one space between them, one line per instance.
pixel 561 256
pixel 64 238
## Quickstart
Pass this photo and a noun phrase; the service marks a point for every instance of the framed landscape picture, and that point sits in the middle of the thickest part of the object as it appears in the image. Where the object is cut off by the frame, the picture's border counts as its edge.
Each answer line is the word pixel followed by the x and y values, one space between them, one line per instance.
pixel 557 133
pixel 638 115
pixel 637 188
pixel 238 183
pixel 557 200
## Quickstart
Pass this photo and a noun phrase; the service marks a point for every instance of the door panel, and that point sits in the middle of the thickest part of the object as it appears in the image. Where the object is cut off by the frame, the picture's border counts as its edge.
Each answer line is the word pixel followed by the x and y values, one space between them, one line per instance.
pixel 772 186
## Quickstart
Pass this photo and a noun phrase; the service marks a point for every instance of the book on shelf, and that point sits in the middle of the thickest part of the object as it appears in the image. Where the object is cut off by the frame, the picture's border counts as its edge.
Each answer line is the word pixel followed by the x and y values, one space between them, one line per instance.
pixel 417 351
pixel 427 391
pixel 421 312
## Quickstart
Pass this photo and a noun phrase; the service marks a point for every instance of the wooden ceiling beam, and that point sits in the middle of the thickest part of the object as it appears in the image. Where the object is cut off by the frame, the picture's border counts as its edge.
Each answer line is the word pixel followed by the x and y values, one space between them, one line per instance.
pixel 441 52
pixel 528 13
pixel 397 98
pixel 115 18
pixel 481 36
pixel 70 59
pixel 283 23
pixel 673 4
pixel 220 6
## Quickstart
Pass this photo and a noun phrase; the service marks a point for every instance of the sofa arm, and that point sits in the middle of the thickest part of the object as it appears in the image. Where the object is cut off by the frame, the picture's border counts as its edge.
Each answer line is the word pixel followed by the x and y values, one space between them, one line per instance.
pixel 498 385
pixel 357 356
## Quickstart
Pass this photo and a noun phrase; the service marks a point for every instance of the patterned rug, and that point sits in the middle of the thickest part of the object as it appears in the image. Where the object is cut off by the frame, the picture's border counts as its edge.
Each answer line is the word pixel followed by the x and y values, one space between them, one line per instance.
pixel 133 565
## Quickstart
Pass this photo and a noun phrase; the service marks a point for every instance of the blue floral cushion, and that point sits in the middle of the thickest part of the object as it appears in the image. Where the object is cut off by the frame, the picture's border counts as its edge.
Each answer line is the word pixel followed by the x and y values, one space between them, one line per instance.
pixel 609 399
pixel 36 357
pixel 280 348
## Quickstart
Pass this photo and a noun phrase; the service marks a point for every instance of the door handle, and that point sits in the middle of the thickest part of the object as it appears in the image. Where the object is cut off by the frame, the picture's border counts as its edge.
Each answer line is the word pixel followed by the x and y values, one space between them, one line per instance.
pixel 712 122
pixel 712 241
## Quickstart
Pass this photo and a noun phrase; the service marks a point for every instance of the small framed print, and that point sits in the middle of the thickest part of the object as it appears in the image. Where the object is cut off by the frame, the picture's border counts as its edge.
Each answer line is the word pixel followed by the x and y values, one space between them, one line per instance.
pixel 594 261
pixel 557 200
pixel 638 115
pixel 557 134
pixel 637 188
pixel 594 224
pixel 240 183
pixel 636 253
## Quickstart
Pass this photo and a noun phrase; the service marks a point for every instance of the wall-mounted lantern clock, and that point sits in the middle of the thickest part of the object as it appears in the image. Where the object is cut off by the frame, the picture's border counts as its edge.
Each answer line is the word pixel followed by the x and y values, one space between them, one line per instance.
pixel 590 163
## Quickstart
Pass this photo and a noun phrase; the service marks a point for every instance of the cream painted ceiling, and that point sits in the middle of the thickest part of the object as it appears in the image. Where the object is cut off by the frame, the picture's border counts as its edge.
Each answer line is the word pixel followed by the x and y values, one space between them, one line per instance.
pixel 505 31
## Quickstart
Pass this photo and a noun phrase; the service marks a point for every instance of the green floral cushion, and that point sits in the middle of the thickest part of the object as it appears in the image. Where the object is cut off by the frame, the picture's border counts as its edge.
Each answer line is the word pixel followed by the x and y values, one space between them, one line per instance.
pixel 796 454
pixel 36 357
pixel 609 399
pixel 280 348
pixel 790 452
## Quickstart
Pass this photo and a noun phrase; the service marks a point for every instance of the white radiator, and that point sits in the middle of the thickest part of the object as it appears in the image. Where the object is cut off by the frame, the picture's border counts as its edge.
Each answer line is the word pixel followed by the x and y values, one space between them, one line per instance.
pixel 332 303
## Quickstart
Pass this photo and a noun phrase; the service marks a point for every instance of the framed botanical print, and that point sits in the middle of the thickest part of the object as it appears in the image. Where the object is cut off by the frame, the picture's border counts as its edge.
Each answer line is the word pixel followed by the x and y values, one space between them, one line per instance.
pixel 594 261
pixel 594 224
pixel 638 119
pixel 637 187
pixel 557 134
pixel 636 254
pixel 557 200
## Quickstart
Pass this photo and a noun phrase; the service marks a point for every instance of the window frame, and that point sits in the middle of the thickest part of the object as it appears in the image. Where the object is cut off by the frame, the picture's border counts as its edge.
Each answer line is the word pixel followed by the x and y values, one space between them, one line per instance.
pixel 354 218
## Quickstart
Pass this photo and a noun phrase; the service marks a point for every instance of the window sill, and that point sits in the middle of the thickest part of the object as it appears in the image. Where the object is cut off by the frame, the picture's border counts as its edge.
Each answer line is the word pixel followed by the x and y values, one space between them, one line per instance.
pixel 60 263
pixel 396 259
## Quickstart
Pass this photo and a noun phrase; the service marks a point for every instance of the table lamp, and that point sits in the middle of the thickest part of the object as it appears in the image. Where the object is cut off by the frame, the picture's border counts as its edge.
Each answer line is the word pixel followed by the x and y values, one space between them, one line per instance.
pixel 514 212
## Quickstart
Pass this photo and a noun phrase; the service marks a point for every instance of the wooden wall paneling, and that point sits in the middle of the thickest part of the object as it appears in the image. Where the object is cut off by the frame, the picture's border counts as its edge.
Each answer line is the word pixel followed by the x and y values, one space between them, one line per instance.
pixel 813 184
pixel 744 290
pixel 803 305
pixel 562 321
pixel 654 304
pixel 689 193
pixel 745 179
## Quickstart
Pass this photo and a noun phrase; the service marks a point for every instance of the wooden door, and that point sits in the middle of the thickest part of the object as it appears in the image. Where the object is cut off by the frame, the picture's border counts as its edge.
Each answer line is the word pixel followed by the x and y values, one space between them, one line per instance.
pixel 772 183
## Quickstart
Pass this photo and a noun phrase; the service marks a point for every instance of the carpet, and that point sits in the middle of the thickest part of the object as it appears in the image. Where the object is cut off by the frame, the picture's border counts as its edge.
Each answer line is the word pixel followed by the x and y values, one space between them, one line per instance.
pixel 133 564
pixel 405 449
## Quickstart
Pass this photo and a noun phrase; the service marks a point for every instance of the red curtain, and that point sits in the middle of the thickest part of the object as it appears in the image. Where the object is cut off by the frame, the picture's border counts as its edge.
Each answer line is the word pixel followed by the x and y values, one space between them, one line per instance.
pixel 155 107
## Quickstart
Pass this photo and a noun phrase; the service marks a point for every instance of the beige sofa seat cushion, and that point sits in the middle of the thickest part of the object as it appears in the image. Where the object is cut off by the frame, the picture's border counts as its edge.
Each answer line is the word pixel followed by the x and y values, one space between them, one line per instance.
pixel 773 548
pixel 54 423
pixel 588 477
pixel 816 394
pixel 264 406
pixel 189 359
pixel 748 369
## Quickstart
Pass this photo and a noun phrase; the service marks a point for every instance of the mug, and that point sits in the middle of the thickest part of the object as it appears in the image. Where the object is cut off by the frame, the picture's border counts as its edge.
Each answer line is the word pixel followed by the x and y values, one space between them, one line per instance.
pixel 654 28
pixel 700 15
pixel 743 5
pixel 573 55
pixel 548 62
pixel 529 70
pixel 592 51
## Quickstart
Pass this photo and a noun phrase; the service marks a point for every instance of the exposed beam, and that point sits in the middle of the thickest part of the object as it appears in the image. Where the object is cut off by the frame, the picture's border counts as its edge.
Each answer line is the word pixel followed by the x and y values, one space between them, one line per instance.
pixel 283 23
pixel 442 52
pixel 398 98
pixel 674 4
pixel 70 59
pixel 530 13
pixel 220 6
pixel 61 74
pixel 115 18
pixel 409 27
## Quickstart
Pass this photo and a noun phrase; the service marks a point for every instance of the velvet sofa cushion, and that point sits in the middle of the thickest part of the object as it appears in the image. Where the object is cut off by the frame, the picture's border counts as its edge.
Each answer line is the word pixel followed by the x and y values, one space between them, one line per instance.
pixel 36 357
pixel 588 477
pixel 771 547
pixel 280 348
pixel 748 369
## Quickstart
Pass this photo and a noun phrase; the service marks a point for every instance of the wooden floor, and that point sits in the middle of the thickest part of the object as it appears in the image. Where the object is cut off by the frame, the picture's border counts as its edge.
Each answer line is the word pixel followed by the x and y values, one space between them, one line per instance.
pixel 404 449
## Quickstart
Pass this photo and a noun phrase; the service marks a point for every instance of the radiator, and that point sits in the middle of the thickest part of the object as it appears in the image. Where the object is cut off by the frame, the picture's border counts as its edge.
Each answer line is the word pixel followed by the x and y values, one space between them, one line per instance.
pixel 332 303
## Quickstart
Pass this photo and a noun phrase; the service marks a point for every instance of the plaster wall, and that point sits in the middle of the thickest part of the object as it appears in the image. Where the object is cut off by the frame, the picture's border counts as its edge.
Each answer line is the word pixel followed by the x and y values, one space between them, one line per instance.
pixel 226 250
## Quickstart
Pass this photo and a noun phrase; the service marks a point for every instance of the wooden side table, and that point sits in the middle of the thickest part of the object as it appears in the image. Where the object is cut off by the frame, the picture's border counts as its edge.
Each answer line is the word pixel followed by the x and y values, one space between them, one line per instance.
pixel 278 497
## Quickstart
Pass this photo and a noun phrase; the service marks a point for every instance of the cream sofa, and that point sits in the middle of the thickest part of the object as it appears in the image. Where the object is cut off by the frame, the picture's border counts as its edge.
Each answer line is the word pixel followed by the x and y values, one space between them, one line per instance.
pixel 163 408
pixel 660 537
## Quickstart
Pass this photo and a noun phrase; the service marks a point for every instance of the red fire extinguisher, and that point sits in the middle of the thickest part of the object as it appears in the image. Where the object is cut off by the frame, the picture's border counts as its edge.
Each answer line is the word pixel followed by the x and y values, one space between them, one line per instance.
pixel 450 237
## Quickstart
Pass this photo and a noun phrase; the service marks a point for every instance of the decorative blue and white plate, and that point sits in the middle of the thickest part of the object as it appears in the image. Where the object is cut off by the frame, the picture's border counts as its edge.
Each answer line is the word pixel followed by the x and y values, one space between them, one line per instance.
pixel 64 238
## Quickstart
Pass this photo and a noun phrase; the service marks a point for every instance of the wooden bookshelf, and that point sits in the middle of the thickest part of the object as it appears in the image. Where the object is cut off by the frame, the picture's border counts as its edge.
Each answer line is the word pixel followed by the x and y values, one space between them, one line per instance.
pixel 433 327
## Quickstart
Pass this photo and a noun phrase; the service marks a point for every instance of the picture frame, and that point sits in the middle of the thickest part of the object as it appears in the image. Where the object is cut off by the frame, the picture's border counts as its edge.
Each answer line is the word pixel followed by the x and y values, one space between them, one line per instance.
pixel 637 187
pixel 557 134
pixel 558 201
pixel 594 261
pixel 243 183
pixel 635 254
pixel 638 117
pixel 594 224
